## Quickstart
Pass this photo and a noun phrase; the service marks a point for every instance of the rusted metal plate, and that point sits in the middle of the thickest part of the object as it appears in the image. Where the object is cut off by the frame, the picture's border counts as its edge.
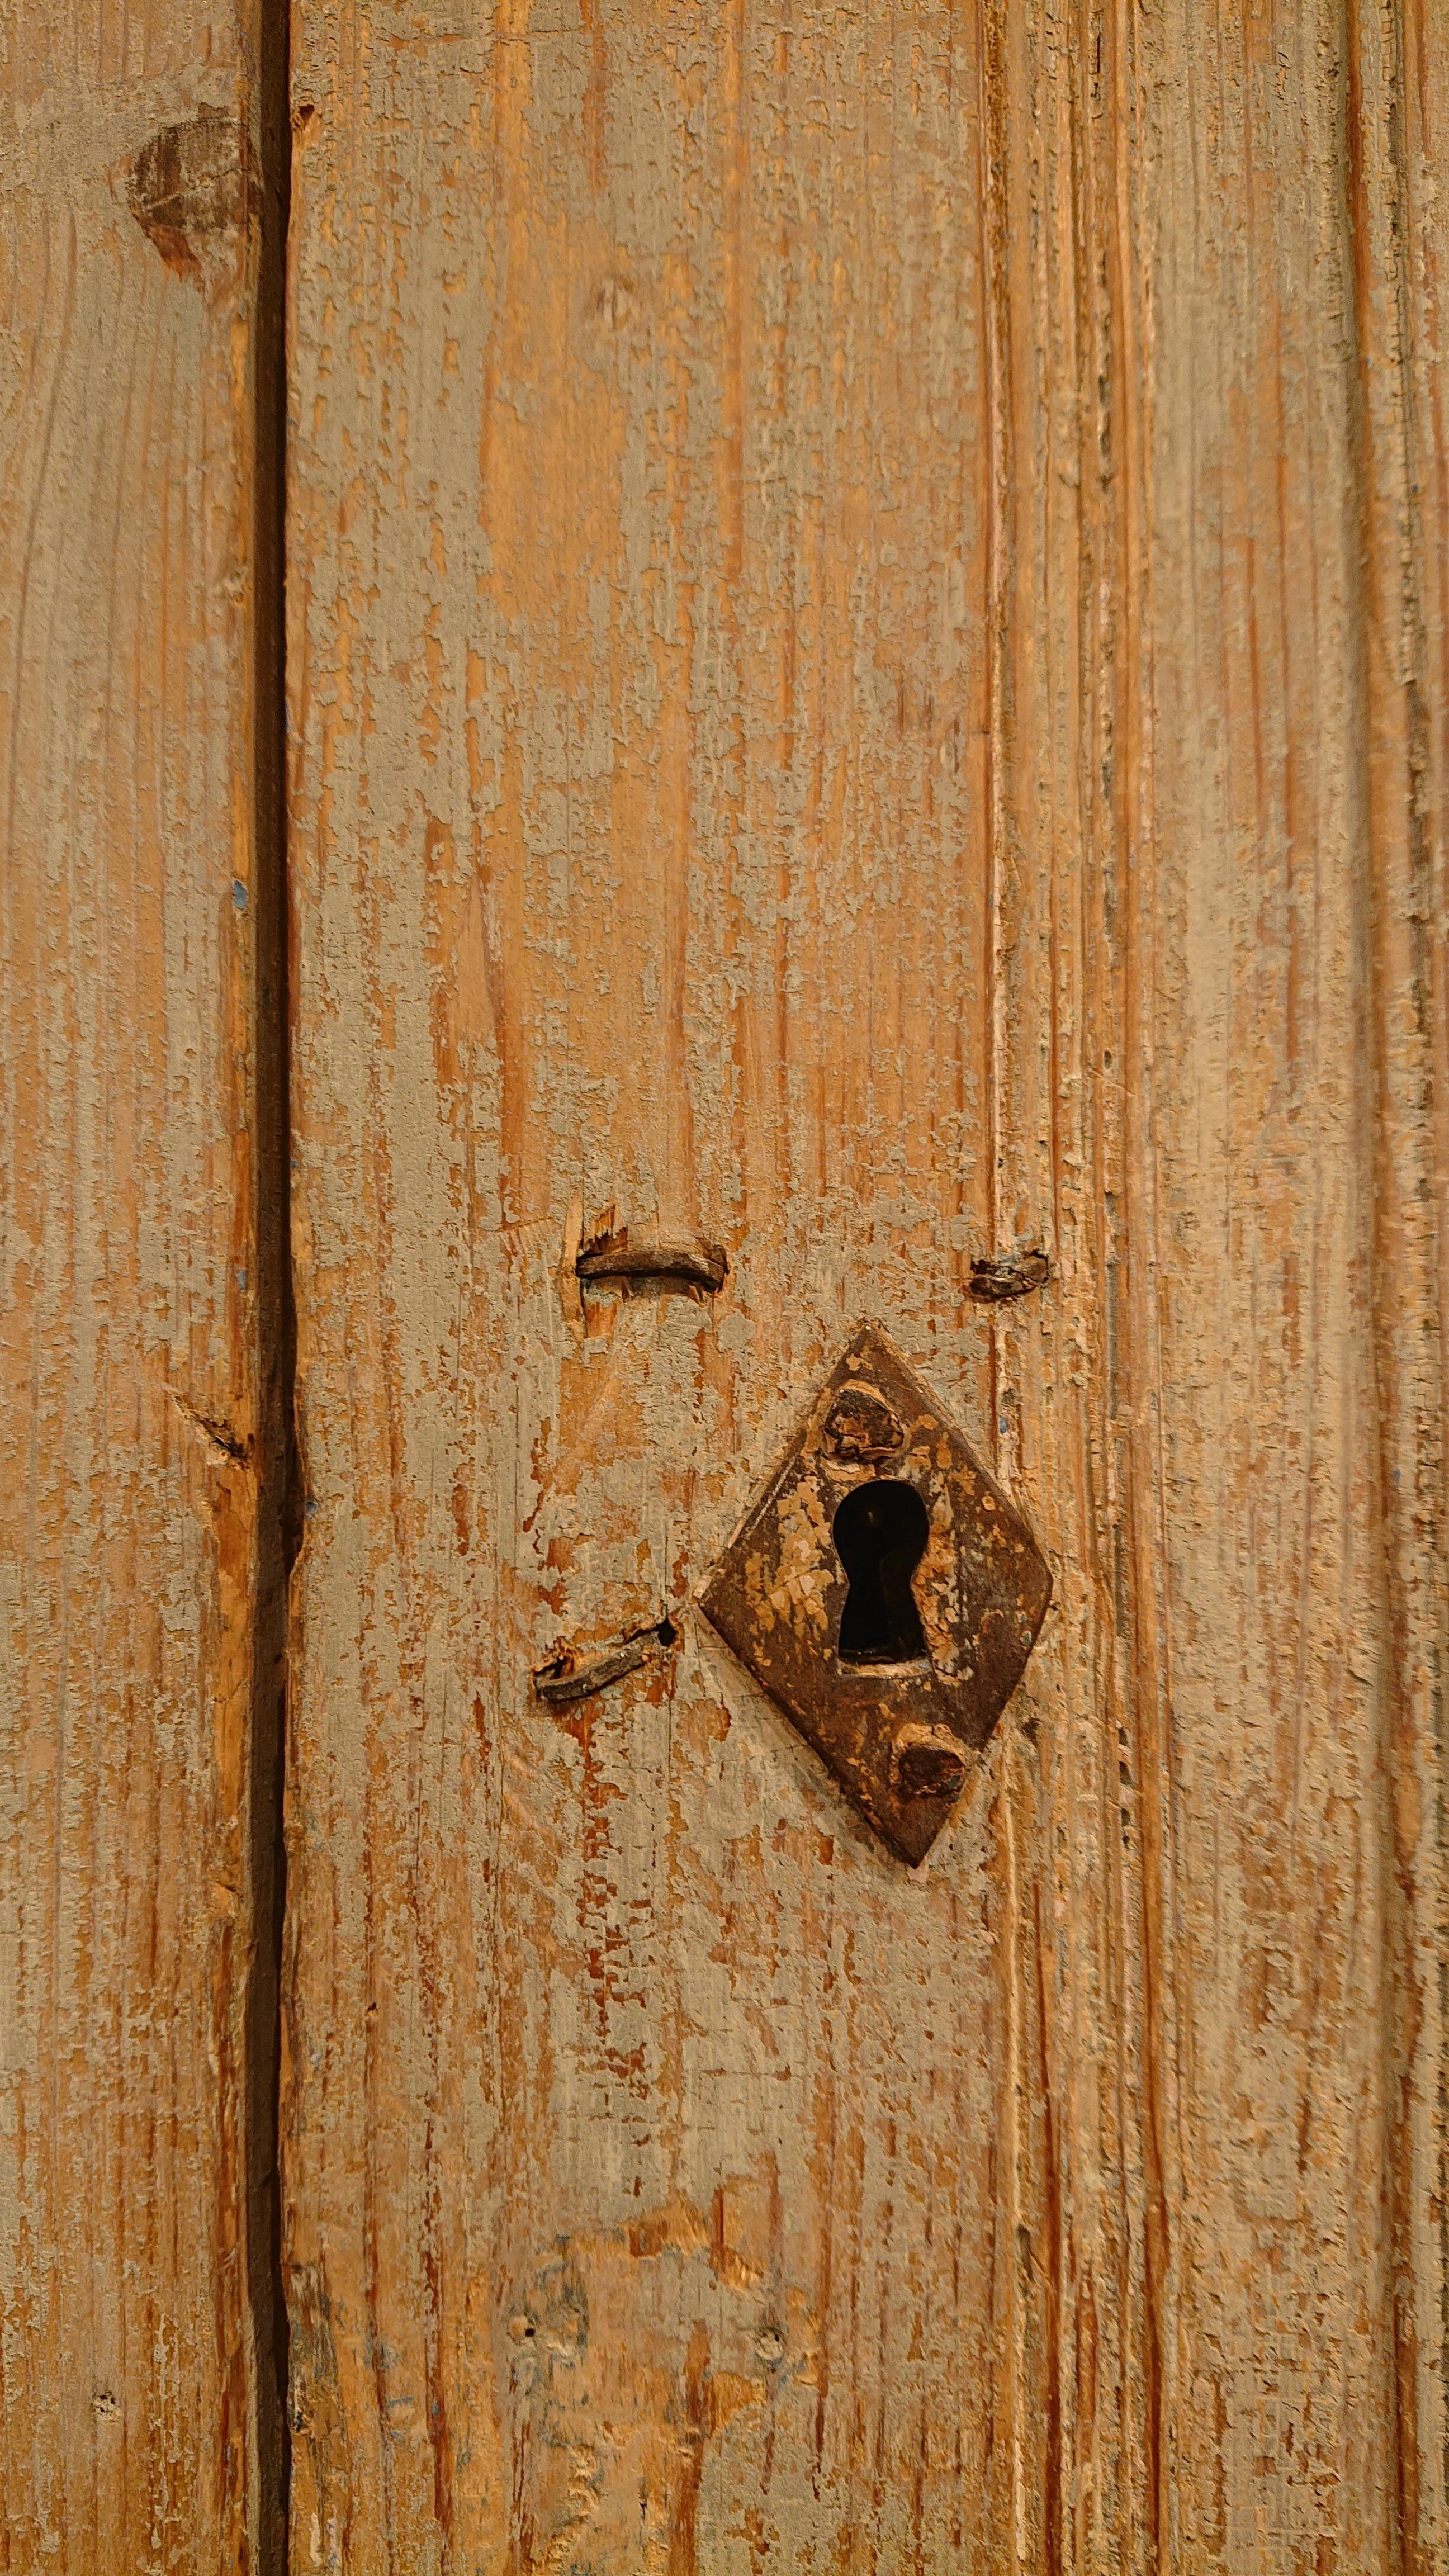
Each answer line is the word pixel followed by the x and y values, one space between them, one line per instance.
pixel 885 1593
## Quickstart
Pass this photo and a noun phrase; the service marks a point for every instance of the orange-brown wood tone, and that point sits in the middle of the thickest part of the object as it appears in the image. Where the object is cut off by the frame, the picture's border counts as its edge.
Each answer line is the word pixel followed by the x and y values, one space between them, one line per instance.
pixel 133 1266
pixel 867 668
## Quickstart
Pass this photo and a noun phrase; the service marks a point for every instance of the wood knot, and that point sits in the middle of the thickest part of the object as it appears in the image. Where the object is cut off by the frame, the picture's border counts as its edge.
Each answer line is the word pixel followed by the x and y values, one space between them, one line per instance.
pixel 189 190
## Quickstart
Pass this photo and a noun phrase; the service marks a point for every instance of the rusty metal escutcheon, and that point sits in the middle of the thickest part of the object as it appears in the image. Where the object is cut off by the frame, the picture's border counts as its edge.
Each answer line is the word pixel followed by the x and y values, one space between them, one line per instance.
pixel 891 1628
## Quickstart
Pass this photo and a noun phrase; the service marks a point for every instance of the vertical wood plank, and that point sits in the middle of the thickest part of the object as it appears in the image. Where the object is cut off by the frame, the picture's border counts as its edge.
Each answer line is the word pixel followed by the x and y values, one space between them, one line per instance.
pixel 867 671
pixel 131 1428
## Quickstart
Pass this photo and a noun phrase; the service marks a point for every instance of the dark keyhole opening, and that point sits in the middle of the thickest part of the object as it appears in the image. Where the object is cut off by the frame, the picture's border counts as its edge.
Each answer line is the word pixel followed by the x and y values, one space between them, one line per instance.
pixel 880 1533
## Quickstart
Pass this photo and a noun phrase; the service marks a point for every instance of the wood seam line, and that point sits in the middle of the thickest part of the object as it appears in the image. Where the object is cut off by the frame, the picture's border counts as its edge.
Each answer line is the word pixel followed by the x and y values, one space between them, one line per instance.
pixel 278 1506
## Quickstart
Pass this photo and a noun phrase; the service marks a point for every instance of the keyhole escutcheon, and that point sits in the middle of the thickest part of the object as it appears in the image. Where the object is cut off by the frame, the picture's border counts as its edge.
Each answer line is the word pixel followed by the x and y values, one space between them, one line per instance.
pixel 880 1533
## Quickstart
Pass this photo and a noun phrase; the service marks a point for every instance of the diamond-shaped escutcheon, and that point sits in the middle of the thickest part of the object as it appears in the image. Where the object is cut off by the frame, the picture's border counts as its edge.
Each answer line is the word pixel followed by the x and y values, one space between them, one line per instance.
pixel 885 1593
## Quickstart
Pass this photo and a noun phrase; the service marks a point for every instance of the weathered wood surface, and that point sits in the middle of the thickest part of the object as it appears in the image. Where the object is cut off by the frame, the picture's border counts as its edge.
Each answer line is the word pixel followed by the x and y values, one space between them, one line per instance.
pixel 868 681
pixel 129 1415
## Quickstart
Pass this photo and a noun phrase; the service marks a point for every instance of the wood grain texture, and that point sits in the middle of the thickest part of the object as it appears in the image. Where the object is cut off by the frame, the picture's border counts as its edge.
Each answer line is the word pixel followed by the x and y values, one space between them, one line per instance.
pixel 129 1422
pixel 867 662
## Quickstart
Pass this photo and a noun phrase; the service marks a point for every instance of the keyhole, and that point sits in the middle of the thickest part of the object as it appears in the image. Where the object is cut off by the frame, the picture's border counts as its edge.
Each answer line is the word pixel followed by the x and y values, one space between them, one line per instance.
pixel 880 1533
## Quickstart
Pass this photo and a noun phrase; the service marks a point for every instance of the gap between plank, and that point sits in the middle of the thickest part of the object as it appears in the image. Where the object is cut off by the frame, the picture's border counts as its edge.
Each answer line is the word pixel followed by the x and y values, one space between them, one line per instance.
pixel 278 1499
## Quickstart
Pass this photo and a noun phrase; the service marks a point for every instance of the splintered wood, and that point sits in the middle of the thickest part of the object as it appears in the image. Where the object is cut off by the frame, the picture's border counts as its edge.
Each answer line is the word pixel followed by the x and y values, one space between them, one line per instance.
pixel 868 686
pixel 129 1414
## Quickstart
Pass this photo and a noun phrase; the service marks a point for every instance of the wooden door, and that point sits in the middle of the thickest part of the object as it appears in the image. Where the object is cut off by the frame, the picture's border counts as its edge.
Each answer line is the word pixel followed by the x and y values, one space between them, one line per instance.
pixel 866 696
pixel 867 684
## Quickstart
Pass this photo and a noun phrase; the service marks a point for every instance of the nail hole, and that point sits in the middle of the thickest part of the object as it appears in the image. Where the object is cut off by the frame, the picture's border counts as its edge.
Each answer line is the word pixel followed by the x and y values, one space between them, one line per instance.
pixel 880 1533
